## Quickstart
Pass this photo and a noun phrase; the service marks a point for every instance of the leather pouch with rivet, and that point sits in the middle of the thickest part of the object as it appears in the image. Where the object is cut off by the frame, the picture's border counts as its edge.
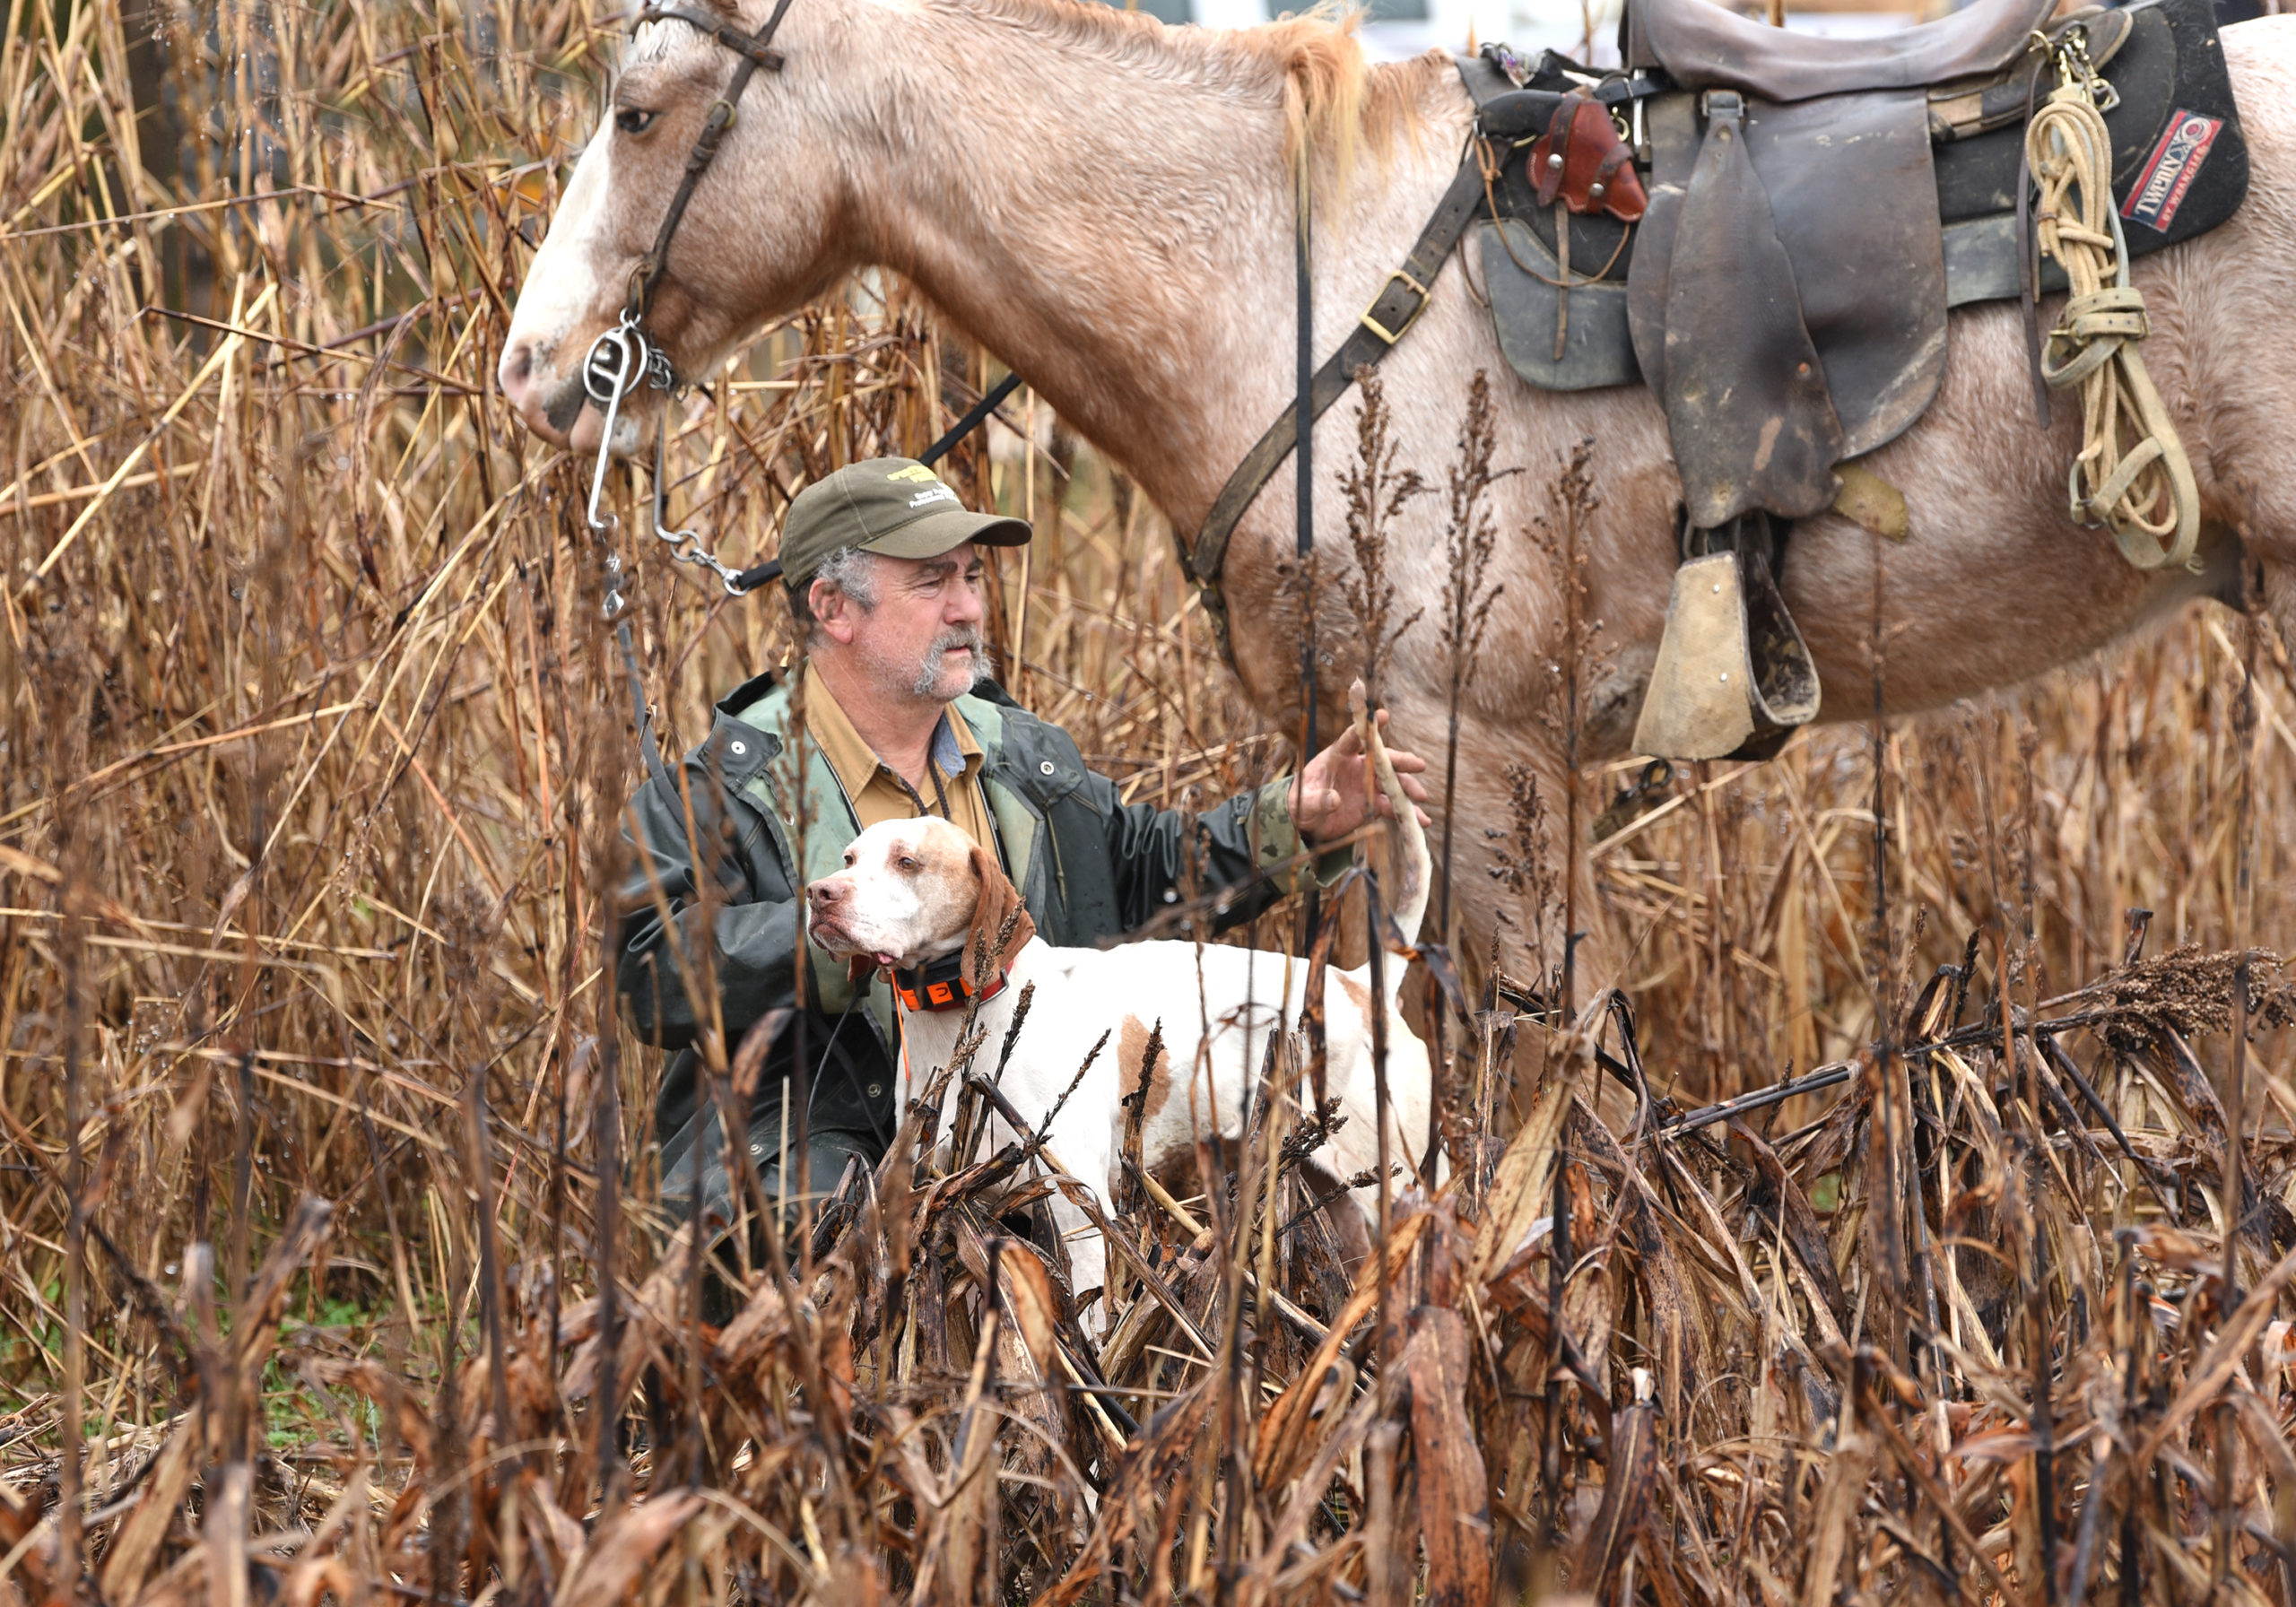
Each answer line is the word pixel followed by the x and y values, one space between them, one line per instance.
pixel 1581 160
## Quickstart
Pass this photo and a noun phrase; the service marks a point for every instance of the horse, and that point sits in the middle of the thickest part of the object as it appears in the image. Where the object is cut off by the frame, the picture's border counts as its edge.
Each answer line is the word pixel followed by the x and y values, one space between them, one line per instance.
pixel 1110 205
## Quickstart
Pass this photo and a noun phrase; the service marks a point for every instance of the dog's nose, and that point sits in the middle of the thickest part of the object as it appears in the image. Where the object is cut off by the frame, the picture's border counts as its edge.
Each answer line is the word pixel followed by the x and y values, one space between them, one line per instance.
pixel 825 893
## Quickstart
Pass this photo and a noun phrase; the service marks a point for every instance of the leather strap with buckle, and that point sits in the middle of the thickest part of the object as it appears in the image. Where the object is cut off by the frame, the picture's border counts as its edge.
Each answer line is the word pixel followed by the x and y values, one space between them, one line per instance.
pixel 1400 277
pixel 1394 310
pixel 940 984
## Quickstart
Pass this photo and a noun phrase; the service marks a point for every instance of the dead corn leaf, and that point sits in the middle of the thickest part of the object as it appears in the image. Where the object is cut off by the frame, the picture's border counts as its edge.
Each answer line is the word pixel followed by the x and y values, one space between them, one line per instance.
pixel 607 1573
pixel 1454 1496
pixel 1626 1501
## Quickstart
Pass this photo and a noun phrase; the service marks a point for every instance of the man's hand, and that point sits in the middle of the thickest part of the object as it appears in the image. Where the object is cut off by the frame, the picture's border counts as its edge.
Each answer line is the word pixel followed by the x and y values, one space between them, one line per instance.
pixel 1335 792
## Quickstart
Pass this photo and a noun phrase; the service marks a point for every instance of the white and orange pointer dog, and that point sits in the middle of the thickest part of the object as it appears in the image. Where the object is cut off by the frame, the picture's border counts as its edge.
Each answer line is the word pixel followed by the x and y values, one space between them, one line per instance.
pixel 919 890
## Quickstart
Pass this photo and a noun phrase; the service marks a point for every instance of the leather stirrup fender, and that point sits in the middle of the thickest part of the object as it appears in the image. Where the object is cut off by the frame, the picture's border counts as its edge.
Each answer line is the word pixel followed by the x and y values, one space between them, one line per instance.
pixel 1752 422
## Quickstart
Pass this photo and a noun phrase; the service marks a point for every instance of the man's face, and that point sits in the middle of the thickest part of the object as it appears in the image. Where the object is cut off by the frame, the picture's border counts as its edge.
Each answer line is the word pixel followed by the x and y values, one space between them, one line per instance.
pixel 922 637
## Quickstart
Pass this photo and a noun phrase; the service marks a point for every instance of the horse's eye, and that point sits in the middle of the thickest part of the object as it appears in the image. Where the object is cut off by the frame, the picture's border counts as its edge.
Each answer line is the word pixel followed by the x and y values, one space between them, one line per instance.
pixel 630 119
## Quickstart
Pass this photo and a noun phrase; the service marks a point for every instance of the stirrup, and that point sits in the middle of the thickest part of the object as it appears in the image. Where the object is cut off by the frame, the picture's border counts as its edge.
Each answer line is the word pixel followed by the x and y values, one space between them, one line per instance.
pixel 1733 677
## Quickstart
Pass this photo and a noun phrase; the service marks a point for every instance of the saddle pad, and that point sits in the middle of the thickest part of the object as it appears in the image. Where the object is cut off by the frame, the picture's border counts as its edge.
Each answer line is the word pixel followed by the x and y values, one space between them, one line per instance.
pixel 2181 166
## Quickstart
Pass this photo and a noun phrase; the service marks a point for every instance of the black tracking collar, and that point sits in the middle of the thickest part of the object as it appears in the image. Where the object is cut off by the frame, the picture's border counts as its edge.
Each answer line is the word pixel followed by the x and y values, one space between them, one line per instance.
pixel 940 984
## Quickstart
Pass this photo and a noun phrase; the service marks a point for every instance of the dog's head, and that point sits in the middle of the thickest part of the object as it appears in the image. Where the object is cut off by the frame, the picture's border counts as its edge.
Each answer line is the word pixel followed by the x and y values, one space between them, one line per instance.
pixel 912 891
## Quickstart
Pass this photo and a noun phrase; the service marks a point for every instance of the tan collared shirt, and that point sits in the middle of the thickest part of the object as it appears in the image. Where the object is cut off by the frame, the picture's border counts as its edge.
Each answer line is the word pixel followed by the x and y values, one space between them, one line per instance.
pixel 880 792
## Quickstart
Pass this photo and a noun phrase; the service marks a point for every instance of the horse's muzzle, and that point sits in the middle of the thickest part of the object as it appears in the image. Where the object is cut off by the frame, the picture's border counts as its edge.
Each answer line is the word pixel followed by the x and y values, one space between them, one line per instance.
pixel 563 409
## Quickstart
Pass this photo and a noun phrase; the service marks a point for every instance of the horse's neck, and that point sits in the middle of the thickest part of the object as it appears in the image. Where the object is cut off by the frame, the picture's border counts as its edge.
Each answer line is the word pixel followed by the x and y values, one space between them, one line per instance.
pixel 1123 235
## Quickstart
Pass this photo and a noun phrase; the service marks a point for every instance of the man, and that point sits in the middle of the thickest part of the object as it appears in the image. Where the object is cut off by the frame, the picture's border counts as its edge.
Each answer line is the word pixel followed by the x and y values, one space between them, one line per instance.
pixel 883 565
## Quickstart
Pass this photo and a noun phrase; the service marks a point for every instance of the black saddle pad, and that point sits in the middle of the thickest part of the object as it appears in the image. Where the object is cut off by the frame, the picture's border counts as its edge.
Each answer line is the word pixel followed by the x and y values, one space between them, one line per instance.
pixel 2175 129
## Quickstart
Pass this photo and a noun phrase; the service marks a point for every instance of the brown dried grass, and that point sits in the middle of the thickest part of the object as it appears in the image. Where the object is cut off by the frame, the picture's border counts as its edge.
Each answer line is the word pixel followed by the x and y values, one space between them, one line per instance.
pixel 316 747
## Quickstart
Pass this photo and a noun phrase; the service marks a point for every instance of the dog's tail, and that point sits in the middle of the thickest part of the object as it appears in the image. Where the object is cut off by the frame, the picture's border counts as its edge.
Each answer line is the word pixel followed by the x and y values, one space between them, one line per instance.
pixel 1414 870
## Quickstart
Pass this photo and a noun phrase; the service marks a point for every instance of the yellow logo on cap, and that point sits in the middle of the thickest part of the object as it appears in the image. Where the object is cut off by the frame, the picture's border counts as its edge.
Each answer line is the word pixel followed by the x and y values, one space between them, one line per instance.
pixel 915 470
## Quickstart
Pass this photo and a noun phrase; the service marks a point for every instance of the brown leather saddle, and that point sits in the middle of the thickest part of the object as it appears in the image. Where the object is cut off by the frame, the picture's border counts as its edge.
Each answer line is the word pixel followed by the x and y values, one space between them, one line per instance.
pixel 1815 206
pixel 1704 46
pixel 2173 125
pixel 1789 302
pixel 1767 229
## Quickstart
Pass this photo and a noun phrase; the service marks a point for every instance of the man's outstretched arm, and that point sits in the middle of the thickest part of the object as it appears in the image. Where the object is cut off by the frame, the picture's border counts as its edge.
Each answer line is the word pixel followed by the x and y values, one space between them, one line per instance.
pixel 1256 842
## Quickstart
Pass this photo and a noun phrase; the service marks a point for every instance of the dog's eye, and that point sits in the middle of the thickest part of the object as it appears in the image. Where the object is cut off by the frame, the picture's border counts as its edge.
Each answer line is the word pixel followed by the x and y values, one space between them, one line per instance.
pixel 850 856
pixel 630 120
pixel 907 864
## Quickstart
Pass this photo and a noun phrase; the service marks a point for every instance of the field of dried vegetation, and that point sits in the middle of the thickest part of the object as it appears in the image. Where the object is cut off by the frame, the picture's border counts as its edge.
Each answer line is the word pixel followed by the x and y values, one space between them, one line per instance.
pixel 331 1259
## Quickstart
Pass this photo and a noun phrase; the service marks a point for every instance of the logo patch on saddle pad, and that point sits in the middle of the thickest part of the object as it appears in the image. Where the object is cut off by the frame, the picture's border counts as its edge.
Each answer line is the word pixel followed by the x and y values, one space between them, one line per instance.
pixel 2168 173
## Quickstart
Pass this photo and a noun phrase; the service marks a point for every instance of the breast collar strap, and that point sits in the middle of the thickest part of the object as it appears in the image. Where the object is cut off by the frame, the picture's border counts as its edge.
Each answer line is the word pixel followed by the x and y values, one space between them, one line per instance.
pixel 941 985
pixel 1394 309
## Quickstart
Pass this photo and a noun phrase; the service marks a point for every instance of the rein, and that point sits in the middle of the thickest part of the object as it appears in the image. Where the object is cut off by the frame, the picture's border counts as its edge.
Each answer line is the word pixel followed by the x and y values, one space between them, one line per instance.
pixel 1402 298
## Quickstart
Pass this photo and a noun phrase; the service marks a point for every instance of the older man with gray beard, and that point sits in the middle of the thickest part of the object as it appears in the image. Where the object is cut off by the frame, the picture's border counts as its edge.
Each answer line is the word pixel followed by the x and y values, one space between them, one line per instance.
pixel 894 716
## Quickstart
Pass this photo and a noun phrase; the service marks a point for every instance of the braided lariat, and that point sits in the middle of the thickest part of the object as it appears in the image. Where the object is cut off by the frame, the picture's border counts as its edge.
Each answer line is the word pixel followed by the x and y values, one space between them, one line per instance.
pixel 2132 474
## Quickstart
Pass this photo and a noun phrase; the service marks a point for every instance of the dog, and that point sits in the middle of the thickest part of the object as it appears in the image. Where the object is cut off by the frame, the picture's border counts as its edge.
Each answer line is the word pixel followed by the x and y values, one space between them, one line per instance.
pixel 917 892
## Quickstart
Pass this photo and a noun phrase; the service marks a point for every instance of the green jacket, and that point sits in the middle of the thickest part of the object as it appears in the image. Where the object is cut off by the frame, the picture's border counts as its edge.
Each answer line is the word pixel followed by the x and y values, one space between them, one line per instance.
pixel 1089 868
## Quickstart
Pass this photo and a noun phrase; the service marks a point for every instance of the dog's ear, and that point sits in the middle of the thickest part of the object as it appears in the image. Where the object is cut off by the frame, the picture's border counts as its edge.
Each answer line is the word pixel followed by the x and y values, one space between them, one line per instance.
pixel 999 904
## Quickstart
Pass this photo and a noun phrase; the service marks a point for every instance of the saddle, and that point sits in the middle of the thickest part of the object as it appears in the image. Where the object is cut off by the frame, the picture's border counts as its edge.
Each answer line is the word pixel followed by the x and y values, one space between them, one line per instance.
pixel 1767 229
pixel 1815 207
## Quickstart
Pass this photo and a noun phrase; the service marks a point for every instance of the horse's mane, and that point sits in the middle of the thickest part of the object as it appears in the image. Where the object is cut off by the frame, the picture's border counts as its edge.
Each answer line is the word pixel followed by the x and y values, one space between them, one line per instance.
pixel 1341 103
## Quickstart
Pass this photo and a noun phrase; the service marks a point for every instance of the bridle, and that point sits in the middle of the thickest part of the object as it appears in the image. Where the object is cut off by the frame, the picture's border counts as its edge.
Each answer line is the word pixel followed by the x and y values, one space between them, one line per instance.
pixel 625 357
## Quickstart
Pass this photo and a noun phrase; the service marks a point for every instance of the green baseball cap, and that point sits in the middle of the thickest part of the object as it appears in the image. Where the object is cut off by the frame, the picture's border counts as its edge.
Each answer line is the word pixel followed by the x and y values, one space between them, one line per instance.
pixel 895 506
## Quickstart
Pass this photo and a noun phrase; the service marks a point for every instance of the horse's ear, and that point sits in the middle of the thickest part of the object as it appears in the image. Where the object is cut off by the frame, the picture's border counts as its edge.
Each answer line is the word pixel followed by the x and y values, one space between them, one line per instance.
pixel 1000 925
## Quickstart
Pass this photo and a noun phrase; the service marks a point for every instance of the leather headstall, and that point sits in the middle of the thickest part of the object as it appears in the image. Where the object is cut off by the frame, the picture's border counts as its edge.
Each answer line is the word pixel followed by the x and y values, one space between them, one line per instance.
pixel 719 29
pixel 756 50
pixel 940 984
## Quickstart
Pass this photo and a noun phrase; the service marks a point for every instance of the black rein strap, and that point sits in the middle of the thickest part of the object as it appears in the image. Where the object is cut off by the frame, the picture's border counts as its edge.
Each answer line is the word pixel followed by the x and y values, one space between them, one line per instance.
pixel 971 422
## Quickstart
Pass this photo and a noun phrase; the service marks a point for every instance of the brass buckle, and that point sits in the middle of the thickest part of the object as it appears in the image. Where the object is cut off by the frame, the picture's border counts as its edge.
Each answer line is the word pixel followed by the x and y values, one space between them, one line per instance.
pixel 1392 335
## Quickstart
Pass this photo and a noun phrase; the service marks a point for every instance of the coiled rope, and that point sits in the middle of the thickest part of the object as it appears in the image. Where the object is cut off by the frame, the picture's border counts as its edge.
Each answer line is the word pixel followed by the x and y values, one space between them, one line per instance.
pixel 2132 475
